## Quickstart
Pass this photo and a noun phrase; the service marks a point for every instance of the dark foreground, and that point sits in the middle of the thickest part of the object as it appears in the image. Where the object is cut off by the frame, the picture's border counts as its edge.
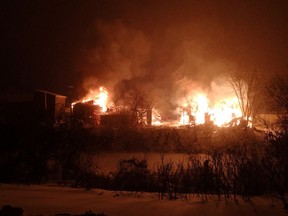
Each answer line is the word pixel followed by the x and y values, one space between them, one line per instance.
pixel 48 200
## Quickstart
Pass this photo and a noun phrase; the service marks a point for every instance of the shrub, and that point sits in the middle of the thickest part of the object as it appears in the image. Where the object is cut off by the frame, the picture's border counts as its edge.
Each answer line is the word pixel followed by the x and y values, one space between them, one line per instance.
pixel 275 164
pixel 132 175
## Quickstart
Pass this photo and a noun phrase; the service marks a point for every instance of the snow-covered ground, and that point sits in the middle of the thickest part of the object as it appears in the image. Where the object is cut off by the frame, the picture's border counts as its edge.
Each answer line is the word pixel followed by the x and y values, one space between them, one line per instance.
pixel 52 199
pixel 108 162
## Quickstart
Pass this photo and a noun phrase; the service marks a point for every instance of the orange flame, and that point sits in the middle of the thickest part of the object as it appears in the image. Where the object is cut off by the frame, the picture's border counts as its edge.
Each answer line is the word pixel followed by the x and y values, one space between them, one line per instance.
pixel 98 96
pixel 156 118
pixel 199 109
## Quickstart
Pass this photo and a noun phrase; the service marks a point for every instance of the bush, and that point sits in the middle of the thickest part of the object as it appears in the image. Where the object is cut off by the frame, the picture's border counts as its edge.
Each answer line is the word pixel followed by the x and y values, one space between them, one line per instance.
pixel 275 164
pixel 132 175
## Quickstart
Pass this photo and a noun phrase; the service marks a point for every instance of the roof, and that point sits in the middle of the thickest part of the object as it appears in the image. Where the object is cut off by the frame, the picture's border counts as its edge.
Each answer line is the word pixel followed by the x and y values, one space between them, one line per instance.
pixel 51 93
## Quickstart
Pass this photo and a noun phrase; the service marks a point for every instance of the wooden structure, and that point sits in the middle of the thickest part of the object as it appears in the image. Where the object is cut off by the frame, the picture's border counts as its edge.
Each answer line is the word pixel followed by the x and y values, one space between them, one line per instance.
pixel 37 107
pixel 49 107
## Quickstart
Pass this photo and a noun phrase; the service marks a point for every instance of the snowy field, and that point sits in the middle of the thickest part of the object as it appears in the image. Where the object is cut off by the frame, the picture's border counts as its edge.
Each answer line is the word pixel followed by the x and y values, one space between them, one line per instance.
pixel 108 162
pixel 48 200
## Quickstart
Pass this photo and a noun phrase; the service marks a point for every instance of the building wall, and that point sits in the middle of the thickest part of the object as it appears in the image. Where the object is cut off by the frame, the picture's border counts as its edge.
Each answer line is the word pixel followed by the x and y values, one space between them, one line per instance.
pixel 266 120
pixel 41 107
pixel 49 107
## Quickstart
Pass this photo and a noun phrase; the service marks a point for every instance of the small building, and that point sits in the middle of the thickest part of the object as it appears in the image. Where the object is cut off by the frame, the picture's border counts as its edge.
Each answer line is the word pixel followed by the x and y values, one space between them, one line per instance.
pixel 49 107
pixel 269 116
pixel 37 107
pixel 267 120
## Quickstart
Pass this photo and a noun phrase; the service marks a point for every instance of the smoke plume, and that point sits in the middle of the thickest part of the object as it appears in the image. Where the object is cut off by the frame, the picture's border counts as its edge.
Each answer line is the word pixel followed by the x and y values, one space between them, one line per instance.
pixel 169 50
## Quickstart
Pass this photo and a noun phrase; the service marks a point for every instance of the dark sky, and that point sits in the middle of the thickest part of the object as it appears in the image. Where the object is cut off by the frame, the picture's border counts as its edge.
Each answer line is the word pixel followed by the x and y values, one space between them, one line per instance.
pixel 156 44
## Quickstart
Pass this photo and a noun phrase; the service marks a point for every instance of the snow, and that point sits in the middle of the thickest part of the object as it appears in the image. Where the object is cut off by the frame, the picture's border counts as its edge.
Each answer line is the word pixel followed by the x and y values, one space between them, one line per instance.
pixel 53 199
pixel 108 162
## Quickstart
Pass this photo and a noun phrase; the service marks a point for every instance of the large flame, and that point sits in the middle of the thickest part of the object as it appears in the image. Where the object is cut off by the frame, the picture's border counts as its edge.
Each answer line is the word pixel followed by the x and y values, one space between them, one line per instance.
pixel 98 96
pixel 156 118
pixel 225 111
pixel 199 109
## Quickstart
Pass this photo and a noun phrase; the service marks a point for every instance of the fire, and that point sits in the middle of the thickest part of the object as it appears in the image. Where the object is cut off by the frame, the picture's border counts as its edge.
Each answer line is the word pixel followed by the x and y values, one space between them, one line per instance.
pixel 184 118
pixel 156 118
pixel 199 110
pixel 218 106
pixel 98 96
pixel 225 111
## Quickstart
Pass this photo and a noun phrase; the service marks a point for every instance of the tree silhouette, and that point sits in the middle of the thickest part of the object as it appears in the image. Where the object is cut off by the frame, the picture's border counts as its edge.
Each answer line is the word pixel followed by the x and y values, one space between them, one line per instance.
pixel 137 103
pixel 247 87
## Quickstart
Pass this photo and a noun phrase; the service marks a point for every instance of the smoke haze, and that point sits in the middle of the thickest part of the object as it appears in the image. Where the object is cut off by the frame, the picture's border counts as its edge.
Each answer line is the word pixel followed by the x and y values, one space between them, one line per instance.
pixel 163 47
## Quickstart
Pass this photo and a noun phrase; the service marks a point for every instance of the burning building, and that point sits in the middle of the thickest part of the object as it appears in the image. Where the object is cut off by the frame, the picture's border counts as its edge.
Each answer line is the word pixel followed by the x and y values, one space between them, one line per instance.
pixel 96 108
pixel 193 105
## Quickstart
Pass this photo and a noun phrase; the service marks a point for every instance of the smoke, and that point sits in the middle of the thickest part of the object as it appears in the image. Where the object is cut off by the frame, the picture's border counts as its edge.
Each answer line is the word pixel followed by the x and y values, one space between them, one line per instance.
pixel 169 50
pixel 150 44
pixel 119 54
pixel 166 67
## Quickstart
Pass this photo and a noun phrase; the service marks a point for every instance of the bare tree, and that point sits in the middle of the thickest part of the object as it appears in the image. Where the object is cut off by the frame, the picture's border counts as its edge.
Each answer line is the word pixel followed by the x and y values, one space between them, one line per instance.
pixel 276 161
pixel 247 88
pixel 138 103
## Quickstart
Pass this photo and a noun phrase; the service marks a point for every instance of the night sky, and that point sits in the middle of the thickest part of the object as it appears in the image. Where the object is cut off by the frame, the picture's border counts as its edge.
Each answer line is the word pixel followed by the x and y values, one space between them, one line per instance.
pixel 153 44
